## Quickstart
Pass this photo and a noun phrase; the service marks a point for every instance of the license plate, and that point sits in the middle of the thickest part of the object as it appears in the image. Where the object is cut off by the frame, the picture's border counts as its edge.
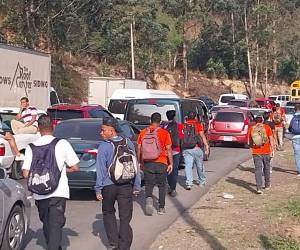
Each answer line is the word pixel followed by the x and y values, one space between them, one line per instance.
pixel 227 138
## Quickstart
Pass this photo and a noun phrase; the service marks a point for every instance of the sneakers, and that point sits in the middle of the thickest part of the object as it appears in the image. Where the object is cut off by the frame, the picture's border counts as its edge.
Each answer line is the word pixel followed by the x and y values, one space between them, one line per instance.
pixel 149 206
pixel 172 193
pixel 259 191
pixel 161 211
pixel 267 187
pixel 188 187
pixel 200 183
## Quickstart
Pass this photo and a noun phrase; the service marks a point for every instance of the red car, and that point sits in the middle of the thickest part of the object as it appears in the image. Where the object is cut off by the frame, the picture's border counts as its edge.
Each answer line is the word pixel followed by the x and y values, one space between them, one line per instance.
pixel 265 103
pixel 62 112
pixel 230 125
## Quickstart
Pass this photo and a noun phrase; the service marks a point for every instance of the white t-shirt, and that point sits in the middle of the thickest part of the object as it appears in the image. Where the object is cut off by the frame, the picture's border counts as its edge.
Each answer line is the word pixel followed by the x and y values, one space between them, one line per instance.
pixel 27 114
pixel 65 156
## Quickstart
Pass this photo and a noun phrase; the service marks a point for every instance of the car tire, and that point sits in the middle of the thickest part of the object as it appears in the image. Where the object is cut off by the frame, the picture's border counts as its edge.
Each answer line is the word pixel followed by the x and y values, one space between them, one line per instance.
pixel 15 226
pixel 16 170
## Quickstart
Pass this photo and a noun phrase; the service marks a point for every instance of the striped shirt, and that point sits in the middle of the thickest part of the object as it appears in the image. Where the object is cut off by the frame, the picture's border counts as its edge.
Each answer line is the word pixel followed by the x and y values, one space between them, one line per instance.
pixel 27 114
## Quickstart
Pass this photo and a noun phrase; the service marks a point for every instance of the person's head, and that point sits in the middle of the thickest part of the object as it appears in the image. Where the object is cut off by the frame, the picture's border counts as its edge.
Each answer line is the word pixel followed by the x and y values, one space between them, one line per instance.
pixel 277 106
pixel 108 128
pixel 24 102
pixel 297 107
pixel 171 115
pixel 45 125
pixel 274 109
pixel 259 119
pixel 155 119
pixel 266 115
pixel 191 115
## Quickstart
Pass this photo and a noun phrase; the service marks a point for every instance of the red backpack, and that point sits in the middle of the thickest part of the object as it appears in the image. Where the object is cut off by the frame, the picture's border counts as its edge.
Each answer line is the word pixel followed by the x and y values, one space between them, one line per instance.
pixel 150 146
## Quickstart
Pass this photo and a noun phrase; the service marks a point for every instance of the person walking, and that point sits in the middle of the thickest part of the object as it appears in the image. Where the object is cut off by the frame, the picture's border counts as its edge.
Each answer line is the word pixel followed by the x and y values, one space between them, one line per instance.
pixel 260 139
pixel 46 163
pixel 294 128
pixel 154 153
pixel 26 119
pixel 193 139
pixel 118 179
pixel 175 131
pixel 279 119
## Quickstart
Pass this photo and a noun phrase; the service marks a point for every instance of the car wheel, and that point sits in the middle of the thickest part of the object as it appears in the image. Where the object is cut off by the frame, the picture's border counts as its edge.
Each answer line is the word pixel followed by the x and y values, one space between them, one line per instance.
pixel 14 230
pixel 16 170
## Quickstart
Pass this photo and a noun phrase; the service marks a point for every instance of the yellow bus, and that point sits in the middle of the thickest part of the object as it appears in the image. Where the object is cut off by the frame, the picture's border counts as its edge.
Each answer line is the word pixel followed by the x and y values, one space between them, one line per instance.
pixel 295 90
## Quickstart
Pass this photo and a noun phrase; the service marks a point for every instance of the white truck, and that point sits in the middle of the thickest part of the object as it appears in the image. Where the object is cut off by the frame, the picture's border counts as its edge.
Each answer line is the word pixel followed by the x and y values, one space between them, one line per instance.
pixel 22 73
pixel 100 89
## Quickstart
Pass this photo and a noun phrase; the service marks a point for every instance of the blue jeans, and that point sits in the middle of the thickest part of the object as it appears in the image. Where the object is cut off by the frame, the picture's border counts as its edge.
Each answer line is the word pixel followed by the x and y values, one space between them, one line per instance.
pixel 191 156
pixel 296 146
pixel 172 177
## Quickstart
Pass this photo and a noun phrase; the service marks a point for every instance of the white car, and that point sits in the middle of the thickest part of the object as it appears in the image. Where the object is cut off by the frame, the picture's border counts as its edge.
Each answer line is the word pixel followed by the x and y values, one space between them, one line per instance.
pixel 281 99
pixel 7 158
pixel 224 99
pixel 289 113
pixel 258 111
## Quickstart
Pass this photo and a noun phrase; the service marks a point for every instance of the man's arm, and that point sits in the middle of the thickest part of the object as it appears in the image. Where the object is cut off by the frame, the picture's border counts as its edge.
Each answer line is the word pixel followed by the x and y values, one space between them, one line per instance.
pixel 138 154
pixel 27 162
pixel 71 169
pixel 206 147
pixel 170 157
pixel 32 121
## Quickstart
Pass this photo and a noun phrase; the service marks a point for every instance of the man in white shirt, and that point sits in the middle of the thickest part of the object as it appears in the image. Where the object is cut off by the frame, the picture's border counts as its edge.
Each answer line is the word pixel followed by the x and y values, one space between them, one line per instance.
pixel 52 206
pixel 26 119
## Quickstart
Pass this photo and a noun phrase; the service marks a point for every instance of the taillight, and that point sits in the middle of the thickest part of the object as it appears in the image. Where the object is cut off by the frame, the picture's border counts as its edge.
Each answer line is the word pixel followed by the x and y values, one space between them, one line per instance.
pixel 92 152
pixel 55 122
pixel 2 149
pixel 246 125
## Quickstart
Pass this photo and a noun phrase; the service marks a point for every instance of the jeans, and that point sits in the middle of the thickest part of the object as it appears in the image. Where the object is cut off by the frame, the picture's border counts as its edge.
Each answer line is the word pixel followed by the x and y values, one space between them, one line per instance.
pixel 279 136
pixel 296 147
pixel 262 165
pixel 52 215
pixel 172 177
pixel 120 238
pixel 191 156
pixel 156 174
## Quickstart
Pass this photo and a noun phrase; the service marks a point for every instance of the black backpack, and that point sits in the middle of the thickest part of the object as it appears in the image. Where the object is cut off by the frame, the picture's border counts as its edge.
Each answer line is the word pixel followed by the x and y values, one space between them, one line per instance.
pixel 44 174
pixel 124 164
pixel 190 137
pixel 173 130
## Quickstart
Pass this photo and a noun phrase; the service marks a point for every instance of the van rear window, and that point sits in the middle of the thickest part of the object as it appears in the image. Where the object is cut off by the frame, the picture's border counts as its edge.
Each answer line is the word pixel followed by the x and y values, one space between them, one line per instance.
pixel 140 113
pixel 227 99
pixel 229 117
pixel 65 114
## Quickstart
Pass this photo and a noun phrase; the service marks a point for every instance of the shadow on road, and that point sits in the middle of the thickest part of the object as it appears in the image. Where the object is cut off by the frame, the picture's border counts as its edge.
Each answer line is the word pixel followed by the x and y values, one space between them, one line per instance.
pixel 212 241
pixel 40 240
pixel 242 183
pixel 288 171
pixel 99 230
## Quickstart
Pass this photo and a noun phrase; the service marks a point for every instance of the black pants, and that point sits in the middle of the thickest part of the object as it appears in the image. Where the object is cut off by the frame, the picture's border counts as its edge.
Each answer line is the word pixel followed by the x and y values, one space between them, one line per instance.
pixel 52 215
pixel 120 238
pixel 172 177
pixel 155 174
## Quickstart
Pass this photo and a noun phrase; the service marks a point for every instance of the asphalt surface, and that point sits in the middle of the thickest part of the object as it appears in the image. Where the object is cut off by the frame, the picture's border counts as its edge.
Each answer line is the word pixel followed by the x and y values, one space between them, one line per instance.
pixel 84 225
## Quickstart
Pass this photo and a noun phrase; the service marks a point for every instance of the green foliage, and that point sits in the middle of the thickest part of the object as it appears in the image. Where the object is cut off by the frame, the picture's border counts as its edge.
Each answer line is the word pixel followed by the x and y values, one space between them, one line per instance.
pixel 293 208
pixel 103 69
pixel 288 70
pixel 278 243
pixel 215 69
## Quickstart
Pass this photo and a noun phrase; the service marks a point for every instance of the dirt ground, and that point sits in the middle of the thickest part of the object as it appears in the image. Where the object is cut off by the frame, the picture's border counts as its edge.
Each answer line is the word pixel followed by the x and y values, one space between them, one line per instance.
pixel 247 221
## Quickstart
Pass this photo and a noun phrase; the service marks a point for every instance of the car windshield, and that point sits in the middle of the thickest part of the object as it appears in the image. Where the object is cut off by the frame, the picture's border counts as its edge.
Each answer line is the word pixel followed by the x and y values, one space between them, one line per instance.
pixel 229 117
pixel 6 119
pixel 256 112
pixel 260 103
pixel 273 98
pixel 140 113
pixel 227 99
pixel 289 110
pixel 117 106
pixel 215 109
pixel 65 114
pixel 97 113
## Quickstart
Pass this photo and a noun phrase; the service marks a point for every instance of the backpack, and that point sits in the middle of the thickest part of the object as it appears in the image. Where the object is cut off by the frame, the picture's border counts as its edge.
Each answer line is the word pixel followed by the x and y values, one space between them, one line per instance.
pixel 150 146
pixel 294 127
pixel 258 135
pixel 172 128
pixel 124 165
pixel 44 174
pixel 277 118
pixel 190 138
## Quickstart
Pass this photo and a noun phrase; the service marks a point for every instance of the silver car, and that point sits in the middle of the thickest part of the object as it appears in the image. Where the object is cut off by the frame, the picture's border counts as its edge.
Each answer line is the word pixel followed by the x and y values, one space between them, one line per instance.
pixel 14 213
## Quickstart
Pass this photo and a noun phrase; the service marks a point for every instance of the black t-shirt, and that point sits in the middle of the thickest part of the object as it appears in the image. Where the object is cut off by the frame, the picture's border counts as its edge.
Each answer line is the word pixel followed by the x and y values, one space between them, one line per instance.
pixel 270 124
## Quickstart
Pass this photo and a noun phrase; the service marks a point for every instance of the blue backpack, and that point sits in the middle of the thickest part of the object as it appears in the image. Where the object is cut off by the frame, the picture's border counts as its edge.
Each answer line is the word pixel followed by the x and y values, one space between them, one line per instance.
pixel 44 174
pixel 294 127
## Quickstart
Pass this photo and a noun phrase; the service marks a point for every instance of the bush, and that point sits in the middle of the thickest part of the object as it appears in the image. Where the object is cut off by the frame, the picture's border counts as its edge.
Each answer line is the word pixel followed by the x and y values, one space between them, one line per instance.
pixel 215 69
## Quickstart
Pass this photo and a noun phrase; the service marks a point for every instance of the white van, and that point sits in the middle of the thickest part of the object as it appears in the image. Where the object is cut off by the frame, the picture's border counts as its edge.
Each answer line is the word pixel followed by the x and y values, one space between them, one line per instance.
pixel 281 99
pixel 119 98
pixel 226 98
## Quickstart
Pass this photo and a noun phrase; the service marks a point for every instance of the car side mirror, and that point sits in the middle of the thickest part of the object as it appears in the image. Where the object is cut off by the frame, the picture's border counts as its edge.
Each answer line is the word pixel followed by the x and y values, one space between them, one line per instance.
pixel 3 174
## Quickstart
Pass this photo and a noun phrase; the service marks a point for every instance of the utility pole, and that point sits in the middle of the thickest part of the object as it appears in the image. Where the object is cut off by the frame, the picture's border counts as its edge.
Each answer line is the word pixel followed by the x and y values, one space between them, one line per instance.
pixel 132 49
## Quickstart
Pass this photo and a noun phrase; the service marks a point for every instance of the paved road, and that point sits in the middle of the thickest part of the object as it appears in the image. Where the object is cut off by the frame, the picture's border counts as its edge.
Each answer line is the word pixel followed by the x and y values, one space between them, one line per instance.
pixel 84 226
